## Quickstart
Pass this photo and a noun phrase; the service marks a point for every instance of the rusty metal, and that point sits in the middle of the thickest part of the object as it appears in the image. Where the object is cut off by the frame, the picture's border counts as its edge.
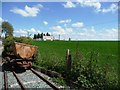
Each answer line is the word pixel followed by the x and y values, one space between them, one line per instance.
pixel 19 60
pixel 24 63
pixel 22 53
pixel 45 80
pixel 5 80
pixel 19 81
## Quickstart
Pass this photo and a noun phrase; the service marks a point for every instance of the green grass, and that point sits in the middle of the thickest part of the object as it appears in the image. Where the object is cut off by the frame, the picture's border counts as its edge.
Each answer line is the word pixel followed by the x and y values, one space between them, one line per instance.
pixel 52 54
pixel 106 49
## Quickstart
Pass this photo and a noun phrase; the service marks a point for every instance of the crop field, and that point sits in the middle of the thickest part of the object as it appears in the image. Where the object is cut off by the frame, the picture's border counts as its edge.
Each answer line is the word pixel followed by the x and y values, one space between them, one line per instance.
pixel 108 50
pixel 52 54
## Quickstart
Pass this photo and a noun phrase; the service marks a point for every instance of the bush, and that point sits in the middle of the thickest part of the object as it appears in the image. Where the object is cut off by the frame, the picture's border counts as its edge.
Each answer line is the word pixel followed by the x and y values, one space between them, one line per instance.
pixel 36 58
pixel 87 70
pixel 87 73
pixel 23 40
pixel 8 43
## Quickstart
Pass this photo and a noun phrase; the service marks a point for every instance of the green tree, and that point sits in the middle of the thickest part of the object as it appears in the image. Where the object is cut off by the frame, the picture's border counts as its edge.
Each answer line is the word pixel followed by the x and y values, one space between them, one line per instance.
pixel 7 28
pixel 38 36
pixel 41 35
pixel 47 34
pixel 35 36
pixel 8 41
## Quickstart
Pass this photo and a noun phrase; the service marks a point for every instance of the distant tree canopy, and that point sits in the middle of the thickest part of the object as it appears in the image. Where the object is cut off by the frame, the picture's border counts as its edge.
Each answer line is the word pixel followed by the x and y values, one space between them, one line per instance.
pixel 7 28
pixel 37 36
pixel 47 34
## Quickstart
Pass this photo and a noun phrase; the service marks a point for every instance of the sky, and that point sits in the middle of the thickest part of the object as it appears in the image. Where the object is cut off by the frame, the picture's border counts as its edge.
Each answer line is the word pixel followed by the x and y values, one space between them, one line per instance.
pixel 76 20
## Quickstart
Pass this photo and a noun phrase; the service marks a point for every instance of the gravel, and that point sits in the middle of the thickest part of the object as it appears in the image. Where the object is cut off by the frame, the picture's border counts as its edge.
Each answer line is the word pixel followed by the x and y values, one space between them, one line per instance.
pixel 12 82
pixel 1 80
pixel 30 80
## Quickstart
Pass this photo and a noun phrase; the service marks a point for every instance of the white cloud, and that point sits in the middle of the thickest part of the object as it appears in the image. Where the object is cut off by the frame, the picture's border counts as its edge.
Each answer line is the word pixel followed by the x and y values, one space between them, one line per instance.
pixel 65 21
pixel 85 34
pixel 112 8
pixel 33 31
pixel 28 11
pixel 92 3
pixel 1 20
pixel 38 6
pixel 68 30
pixel 97 5
pixel 66 33
pixel 69 4
pixel 110 34
pixel 24 32
pixel 45 22
pixel 60 30
pixel 89 3
pixel 20 32
pixel 92 34
pixel 78 25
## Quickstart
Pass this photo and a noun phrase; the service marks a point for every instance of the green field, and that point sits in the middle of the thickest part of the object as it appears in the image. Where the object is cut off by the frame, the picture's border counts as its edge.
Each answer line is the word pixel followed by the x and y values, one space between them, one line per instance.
pixel 108 50
pixel 52 54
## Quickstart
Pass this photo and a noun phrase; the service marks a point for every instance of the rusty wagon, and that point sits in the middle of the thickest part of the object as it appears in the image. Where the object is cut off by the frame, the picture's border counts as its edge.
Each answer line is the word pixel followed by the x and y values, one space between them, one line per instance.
pixel 24 54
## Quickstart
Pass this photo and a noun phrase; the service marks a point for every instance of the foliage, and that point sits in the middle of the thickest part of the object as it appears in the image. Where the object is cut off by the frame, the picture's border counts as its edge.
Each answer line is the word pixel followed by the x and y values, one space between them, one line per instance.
pixel 59 81
pixel 90 75
pixel 51 63
pixel 25 40
pixel 36 57
pixel 94 64
pixel 37 36
pixel 8 43
pixel 7 28
pixel 9 40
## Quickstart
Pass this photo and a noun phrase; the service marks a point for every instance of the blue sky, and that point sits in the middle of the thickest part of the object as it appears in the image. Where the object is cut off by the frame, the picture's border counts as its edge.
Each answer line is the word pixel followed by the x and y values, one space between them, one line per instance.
pixel 75 20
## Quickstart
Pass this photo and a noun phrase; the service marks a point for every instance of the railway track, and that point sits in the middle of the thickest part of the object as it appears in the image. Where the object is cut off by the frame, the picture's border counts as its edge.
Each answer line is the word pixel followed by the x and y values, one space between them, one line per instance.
pixel 30 79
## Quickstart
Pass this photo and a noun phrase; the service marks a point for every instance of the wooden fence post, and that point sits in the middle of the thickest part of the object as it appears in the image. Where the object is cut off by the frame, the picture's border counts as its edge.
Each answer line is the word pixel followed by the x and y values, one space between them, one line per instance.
pixel 68 66
pixel 68 60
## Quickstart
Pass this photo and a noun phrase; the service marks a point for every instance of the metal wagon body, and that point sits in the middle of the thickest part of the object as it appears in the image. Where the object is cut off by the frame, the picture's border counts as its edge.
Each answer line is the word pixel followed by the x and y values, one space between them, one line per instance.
pixel 24 54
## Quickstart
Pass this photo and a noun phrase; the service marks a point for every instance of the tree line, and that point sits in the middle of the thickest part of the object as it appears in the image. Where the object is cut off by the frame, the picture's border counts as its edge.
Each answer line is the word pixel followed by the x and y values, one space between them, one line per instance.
pixel 40 36
pixel 8 29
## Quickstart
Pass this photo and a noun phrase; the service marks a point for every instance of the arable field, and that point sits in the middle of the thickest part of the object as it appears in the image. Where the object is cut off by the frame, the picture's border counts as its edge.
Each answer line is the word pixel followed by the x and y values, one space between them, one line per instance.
pixel 108 50
pixel 104 53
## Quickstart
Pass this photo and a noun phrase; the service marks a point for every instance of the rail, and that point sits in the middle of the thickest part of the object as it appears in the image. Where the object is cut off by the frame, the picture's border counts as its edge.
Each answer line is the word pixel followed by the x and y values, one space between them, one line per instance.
pixel 22 85
pixel 19 81
pixel 45 80
pixel 5 80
